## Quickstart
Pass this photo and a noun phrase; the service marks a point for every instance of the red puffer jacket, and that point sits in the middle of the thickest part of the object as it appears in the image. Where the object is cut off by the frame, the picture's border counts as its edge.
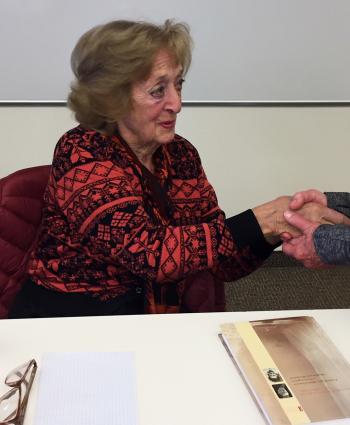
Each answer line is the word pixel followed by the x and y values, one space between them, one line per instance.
pixel 21 202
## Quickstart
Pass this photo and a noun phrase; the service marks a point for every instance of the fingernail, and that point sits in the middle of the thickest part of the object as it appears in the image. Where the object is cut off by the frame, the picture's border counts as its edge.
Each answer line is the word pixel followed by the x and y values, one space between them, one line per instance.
pixel 287 214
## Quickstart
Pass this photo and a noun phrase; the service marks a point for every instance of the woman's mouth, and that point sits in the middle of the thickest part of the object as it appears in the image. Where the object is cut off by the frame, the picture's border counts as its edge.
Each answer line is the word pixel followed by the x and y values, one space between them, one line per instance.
pixel 167 124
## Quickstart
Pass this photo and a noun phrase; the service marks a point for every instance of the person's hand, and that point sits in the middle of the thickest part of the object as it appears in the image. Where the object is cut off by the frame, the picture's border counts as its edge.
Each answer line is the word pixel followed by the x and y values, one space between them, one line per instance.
pixel 321 214
pixel 270 217
pixel 303 197
pixel 271 220
pixel 302 247
pixel 314 211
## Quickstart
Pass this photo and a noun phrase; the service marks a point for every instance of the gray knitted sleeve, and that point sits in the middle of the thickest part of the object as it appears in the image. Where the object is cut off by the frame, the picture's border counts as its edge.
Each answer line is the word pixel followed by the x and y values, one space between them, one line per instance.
pixel 332 243
pixel 339 201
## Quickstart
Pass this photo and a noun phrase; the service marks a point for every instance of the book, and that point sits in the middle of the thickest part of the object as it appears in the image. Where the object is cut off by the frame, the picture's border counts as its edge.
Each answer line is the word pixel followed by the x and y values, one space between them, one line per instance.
pixel 292 369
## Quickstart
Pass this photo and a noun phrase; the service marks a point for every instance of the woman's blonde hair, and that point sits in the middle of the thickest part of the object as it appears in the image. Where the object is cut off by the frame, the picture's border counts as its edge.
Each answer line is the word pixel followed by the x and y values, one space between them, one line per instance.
pixel 109 58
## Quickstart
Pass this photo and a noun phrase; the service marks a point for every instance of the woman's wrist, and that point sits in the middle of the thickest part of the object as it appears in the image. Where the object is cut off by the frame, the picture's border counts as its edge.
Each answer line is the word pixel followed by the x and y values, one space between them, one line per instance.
pixel 246 232
pixel 270 218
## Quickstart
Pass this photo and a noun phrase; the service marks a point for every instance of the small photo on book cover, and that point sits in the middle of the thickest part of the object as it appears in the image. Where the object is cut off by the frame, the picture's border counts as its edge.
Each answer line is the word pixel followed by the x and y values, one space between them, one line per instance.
pixel 273 375
pixel 282 391
pixel 292 369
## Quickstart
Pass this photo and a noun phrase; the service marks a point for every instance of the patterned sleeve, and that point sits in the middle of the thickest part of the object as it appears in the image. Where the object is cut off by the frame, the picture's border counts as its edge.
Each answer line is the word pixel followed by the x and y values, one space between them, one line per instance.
pixel 106 216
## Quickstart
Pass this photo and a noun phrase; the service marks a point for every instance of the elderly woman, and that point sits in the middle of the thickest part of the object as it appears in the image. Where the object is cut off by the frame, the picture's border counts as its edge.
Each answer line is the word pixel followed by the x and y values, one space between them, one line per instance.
pixel 131 223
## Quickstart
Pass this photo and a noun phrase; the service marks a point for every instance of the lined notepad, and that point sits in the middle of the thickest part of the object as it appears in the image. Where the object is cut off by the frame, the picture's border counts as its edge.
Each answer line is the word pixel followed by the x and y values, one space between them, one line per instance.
pixel 87 388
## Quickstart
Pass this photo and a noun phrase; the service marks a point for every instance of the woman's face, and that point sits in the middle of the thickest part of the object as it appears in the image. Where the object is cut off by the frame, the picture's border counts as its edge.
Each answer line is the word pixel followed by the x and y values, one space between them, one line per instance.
pixel 282 392
pixel 272 374
pixel 155 103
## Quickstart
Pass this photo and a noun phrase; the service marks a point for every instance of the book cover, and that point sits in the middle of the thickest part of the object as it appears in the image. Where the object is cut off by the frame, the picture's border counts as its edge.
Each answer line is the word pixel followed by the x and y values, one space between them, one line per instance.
pixel 292 369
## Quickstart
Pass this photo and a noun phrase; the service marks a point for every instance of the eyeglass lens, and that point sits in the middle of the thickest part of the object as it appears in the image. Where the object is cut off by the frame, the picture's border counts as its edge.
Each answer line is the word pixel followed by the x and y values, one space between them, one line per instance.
pixel 9 404
pixel 16 375
pixel 20 379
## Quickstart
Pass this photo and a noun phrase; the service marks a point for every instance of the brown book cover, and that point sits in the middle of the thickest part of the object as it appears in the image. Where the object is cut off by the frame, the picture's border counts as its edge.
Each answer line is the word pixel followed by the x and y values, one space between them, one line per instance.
pixel 292 369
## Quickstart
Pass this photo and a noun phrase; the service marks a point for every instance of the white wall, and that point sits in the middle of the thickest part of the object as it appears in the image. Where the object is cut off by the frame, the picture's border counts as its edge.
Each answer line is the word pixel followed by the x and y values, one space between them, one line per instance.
pixel 250 154
pixel 244 49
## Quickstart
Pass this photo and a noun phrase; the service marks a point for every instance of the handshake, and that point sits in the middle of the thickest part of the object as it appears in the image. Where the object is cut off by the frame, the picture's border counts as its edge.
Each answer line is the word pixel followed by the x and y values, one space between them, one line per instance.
pixel 305 224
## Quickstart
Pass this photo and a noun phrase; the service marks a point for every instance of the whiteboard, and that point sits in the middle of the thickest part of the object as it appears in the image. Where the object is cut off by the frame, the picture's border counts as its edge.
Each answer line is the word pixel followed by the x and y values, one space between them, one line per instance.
pixel 245 50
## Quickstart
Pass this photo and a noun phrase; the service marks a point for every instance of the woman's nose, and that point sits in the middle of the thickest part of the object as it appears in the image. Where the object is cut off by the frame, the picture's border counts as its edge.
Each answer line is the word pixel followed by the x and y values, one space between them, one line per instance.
pixel 173 101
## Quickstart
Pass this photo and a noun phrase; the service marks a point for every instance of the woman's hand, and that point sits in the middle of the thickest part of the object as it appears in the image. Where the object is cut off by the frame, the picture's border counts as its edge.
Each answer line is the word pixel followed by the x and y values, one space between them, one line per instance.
pixel 271 220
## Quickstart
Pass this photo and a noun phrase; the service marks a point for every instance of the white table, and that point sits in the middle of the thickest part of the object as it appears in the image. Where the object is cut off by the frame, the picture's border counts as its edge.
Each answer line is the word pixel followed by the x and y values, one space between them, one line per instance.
pixel 184 374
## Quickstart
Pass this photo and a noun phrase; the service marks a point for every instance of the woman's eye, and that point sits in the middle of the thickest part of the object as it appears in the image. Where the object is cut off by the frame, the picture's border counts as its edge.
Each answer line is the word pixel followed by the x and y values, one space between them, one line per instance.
pixel 179 84
pixel 158 92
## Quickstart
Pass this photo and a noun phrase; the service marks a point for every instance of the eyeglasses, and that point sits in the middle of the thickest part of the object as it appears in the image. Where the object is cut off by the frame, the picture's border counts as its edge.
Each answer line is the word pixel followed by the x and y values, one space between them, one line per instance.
pixel 13 404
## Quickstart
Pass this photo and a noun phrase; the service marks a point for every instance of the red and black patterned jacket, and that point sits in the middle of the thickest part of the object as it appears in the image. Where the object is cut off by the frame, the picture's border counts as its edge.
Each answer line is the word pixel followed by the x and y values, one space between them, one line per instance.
pixel 103 233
